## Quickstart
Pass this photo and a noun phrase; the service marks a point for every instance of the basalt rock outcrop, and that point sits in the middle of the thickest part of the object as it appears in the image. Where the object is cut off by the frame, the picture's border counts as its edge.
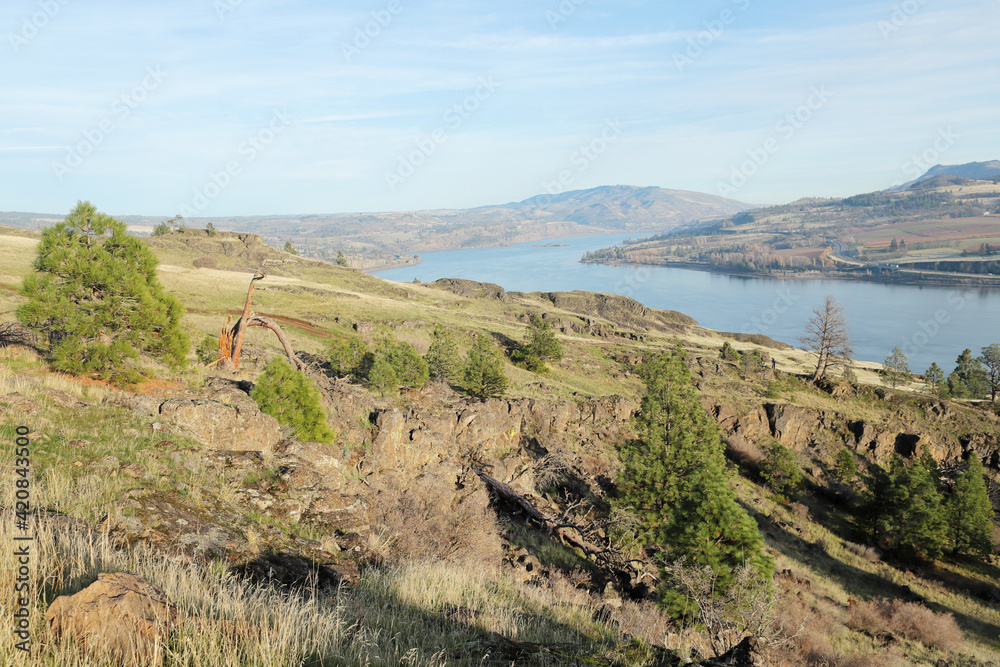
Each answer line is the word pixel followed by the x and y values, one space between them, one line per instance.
pixel 945 432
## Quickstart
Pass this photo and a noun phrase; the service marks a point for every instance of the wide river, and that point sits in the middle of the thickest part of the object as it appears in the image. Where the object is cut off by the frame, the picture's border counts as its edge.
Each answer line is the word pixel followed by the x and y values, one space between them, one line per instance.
pixel 927 323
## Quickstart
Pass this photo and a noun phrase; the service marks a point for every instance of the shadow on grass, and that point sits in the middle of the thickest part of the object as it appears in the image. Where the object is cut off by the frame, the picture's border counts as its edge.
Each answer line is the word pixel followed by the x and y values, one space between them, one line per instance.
pixel 859 583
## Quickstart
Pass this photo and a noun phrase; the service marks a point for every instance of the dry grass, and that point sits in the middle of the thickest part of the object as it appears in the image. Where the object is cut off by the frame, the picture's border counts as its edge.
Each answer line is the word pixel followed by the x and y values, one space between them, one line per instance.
pixel 427 520
pixel 906 619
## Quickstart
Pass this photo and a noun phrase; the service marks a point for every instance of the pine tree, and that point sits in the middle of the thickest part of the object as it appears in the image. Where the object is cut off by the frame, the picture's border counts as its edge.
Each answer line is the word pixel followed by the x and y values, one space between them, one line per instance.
pixel 780 470
pixel 915 525
pixel 290 397
pixel 443 362
pixel 934 377
pixel 540 346
pixel 346 354
pixel 969 377
pixel 483 373
pixel 96 294
pixel 341 259
pixel 844 467
pixel 970 514
pixel 289 248
pixel 674 477
pixel 410 367
pixel 990 363
pixel 381 375
pixel 210 229
pixel 895 370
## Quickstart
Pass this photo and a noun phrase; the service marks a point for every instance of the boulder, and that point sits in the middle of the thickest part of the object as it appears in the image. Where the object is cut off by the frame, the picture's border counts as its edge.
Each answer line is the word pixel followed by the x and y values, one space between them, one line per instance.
pixel 119 617
pixel 221 426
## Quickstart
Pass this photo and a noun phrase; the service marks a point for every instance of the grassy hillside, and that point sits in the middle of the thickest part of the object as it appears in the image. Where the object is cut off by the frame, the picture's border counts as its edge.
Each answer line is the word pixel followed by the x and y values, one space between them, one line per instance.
pixel 385 547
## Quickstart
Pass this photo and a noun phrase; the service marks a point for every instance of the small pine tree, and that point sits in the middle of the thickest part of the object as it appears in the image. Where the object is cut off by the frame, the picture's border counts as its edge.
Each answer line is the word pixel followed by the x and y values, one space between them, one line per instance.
pixel 161 229
pixel 346 354
pixel 780 471
pixel 934 377
pixel 410 367
pixel 483 374
pixel 876 504
pixel 541 346
pixel 341 259
pixel 96 294
pixel 443 362
pixel 290 397
pixel 895 370
pixel 210 229
pixel 289 248
pixel 382 375
pixel 208 350
pixel 845 469
pixel 970 514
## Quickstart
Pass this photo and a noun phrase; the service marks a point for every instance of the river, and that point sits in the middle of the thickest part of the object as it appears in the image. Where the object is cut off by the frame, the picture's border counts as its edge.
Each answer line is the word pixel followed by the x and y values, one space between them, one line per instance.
pixel 927 323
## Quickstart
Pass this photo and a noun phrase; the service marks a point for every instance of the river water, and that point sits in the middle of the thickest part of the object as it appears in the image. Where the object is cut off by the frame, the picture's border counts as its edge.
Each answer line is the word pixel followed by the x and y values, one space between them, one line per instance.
pixel 928 323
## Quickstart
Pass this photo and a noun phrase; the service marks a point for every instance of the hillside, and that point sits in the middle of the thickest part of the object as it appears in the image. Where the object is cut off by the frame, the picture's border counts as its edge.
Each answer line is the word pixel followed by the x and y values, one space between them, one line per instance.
pixel 382 239
pixel 943 230
pixel 395 544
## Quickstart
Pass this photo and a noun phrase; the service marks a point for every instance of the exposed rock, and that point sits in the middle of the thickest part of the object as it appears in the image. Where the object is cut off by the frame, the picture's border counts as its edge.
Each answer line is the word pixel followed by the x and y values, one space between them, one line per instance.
pixel 471 289
pixel 792 425
pixel 221 426
pixel 119 617
pixel 17 403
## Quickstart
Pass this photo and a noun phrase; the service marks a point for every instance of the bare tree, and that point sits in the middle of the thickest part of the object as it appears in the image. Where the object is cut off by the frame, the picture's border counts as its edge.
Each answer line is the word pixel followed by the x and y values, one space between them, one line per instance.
pixel 826 335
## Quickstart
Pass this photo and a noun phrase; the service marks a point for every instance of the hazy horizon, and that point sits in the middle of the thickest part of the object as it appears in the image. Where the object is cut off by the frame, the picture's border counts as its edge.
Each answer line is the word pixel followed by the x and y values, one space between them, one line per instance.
pixel 234 107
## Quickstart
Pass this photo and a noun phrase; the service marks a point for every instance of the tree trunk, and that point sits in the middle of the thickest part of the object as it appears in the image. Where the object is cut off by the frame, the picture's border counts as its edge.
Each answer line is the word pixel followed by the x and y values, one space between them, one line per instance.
pixel 258 321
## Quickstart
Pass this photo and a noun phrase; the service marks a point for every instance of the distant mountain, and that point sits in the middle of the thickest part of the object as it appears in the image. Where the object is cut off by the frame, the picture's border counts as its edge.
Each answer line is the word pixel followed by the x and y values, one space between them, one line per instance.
pixel 626 207
pixel 973 170
pixel 376 239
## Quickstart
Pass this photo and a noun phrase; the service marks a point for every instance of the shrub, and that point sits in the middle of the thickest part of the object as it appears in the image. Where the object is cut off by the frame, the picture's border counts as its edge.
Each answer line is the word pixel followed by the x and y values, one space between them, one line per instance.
pixel 346 354
pixel 290 397
pixel 773 389
pixel 208 350
pixel 910 620
pixel 779 469
pixel 206 262
pixel 729 353
pixel 743 452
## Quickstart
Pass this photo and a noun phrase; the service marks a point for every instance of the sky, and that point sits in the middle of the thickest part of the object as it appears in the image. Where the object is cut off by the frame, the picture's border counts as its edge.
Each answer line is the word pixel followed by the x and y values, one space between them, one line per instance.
pixel 259 107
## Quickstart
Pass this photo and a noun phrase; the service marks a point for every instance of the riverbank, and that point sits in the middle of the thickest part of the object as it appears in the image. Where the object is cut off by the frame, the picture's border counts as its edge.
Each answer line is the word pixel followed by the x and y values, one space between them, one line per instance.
pixel 898 277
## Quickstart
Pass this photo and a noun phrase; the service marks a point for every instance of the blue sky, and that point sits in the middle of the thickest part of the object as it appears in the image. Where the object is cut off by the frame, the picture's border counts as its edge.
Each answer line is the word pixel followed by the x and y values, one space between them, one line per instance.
pixel 240 107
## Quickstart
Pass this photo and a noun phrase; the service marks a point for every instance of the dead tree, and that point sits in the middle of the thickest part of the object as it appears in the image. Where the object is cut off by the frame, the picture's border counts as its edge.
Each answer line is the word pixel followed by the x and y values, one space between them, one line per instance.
pixel 826 335
pixel 231 339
